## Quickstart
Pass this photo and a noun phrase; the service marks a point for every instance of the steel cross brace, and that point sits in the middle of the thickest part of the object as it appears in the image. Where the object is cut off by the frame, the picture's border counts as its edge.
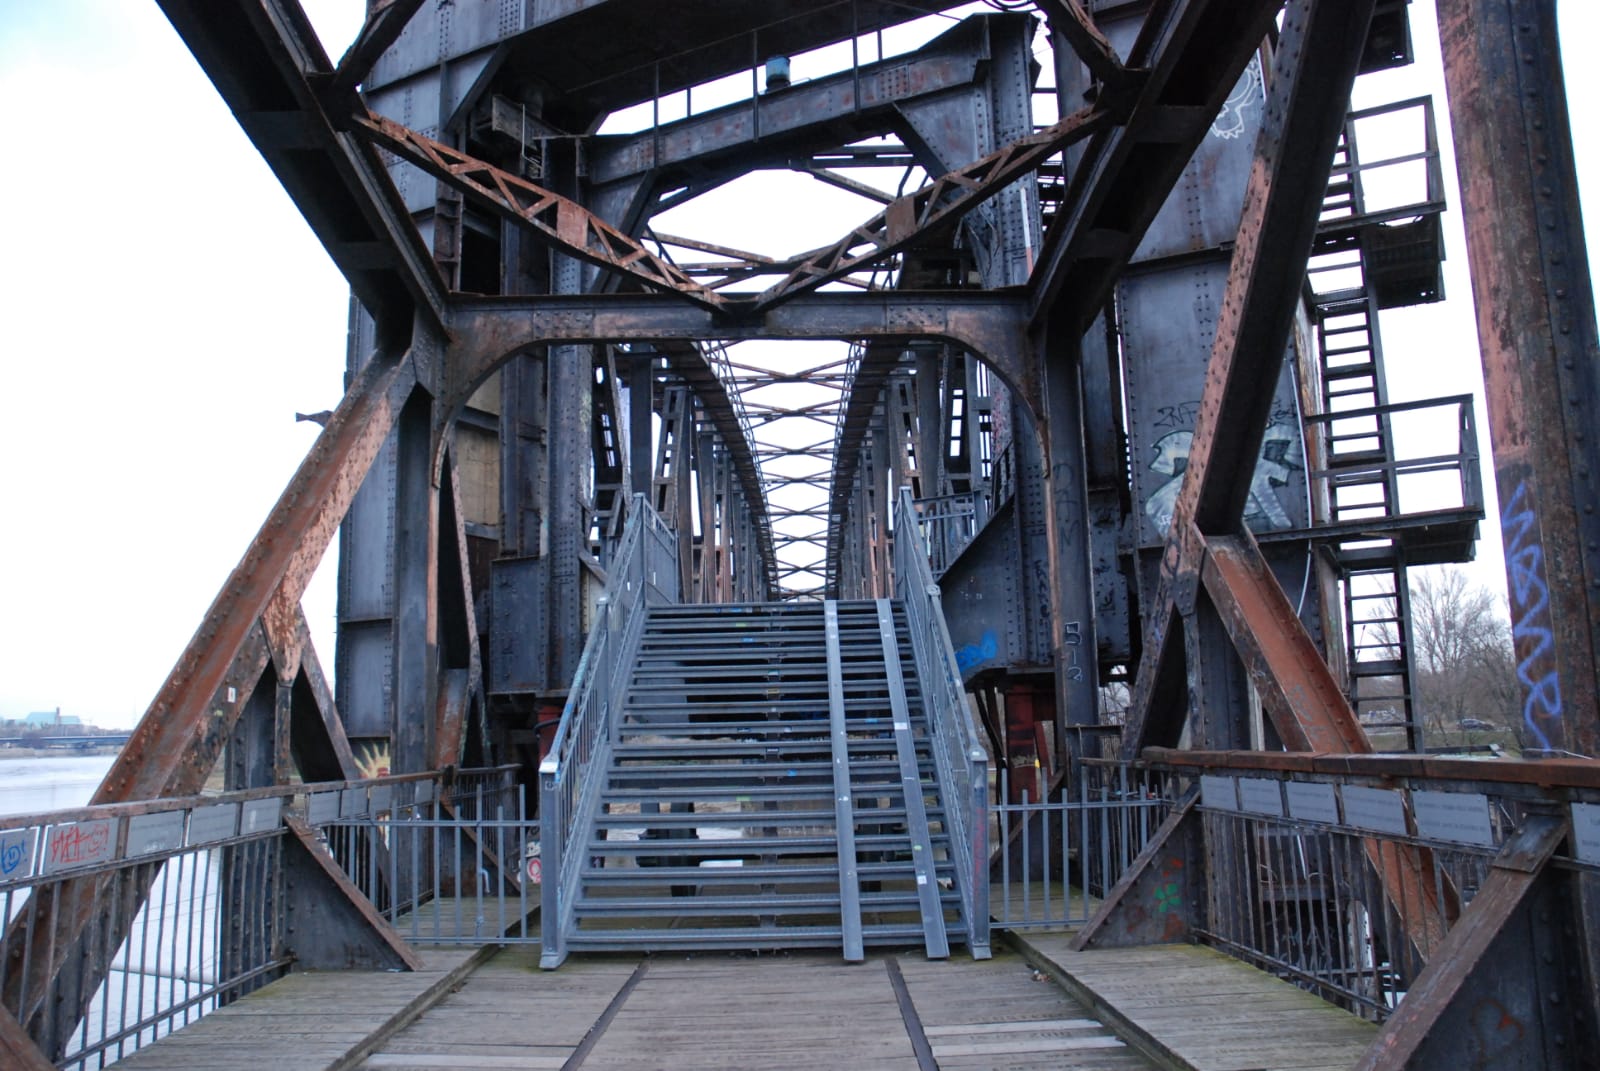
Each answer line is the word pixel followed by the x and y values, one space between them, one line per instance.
pixel 942 202
pixel 177 742
pixel 386 20
pixel 1318 54
pixel 269 67
pixel 1072 22
pixel 557 219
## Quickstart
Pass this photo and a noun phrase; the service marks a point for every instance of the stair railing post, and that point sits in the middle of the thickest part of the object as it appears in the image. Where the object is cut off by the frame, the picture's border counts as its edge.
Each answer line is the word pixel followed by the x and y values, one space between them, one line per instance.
pixel 978 916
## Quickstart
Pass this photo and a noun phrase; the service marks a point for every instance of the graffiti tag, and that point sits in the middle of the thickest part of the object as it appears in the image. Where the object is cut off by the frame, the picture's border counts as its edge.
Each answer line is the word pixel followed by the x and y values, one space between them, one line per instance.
pixel 974 655
pixel 1280 458
pixel 80 843
pixel 1530 624
pixel 1251 89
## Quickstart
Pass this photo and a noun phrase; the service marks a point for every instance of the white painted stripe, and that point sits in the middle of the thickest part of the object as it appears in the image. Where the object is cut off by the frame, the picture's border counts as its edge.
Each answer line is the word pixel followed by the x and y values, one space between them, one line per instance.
pixel 1017 1027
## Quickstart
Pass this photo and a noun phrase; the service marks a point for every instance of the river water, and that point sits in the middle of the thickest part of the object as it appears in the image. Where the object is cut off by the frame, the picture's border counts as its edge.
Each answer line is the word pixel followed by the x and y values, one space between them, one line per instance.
pixel 49 783
pixel 169 957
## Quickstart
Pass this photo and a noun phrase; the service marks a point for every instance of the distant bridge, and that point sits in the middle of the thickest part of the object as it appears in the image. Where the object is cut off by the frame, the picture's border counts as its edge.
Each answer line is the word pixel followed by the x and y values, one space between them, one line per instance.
pixel 82 741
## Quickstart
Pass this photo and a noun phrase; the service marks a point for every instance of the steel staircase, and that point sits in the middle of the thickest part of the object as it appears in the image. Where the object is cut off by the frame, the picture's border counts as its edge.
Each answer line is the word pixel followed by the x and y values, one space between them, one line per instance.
pixel 757 791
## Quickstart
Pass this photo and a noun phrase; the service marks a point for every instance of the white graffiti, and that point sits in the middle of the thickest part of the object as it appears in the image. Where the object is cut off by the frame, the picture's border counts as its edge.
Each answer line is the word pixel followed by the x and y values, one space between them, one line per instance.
pixel 1230 122
pixel 1280 458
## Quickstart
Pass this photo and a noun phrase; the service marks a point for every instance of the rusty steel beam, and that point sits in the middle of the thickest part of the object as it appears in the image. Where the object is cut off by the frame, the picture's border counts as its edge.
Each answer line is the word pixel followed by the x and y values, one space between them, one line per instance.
pixel 181 735
pixel 1319 52
pixel 266 62
pixel 458 684
pixel 1545 774
pixel 17 1050
pixel 486 331
pixel 175 742
pixel 940 204
pixel 322 697
pixel 1297 689
pixel 559 221
pixel 1412 1036
pixel 386 20
pixel 1537 336
pixel 1068 19
pixel 1192 53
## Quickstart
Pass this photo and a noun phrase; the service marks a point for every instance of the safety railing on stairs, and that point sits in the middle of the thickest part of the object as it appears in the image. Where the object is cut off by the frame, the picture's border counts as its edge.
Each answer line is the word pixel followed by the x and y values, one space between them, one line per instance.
pixel 643 573
pixel 962 764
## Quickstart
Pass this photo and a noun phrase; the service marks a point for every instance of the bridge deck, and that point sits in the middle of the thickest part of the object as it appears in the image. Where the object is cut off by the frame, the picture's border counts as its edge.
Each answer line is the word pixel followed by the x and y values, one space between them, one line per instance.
pixel 1203 1010
pixel 477 1010
pixel 703 1012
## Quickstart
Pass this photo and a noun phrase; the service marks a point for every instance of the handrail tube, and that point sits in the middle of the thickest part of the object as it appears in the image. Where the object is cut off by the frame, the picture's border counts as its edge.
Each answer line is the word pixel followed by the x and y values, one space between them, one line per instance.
pixel 573 771
pixel 961 764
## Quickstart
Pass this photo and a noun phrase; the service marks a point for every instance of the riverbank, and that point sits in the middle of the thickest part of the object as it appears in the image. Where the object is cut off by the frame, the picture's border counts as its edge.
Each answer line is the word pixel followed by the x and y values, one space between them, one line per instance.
pixel 7 753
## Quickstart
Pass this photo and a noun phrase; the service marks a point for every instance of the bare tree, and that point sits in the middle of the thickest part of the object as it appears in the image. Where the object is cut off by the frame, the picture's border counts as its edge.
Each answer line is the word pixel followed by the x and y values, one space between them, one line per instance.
pixel 1461 646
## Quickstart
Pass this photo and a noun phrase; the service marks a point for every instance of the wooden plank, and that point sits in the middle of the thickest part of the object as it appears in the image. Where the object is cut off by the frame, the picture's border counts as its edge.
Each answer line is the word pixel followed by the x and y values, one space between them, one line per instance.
pixel 1015 1025
pixel 1027 1045
pixel 326 1019
pixel 1197 1008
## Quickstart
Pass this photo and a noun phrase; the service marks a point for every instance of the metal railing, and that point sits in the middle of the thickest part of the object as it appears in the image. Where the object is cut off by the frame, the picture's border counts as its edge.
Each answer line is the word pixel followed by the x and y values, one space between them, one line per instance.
pixel 465 872
pixel 1058 858
pixel 181 902
pixel 948 523
pixel 1348 883
pixel 1358 482
pixel 572 774
pixel 962 764
pixel 1400 186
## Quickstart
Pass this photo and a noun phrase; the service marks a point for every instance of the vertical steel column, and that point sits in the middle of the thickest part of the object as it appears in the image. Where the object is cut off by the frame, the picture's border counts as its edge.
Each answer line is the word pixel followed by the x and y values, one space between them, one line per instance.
pixel 571 388
pixel 1073 633
pixel 416 561
pixel 523 462
pixel 878 496
pixel 1536 331
pixel 641 405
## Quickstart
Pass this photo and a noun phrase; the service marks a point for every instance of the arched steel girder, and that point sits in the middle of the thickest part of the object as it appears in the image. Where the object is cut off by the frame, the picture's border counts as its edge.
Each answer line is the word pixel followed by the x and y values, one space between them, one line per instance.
pixel 488 331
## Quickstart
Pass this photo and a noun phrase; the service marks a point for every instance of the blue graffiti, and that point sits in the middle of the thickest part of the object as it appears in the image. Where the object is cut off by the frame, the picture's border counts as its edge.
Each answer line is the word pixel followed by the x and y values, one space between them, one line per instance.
pixel 12 855
pixel 974 655
pixel 1530 603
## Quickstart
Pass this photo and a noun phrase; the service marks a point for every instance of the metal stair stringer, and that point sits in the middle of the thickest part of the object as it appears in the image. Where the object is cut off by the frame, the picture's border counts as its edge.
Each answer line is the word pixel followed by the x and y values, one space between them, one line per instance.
pixel 772 784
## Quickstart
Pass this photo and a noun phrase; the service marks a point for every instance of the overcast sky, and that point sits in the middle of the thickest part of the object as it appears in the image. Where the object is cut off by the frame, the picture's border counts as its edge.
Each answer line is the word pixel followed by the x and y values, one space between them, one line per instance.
pixel 168 312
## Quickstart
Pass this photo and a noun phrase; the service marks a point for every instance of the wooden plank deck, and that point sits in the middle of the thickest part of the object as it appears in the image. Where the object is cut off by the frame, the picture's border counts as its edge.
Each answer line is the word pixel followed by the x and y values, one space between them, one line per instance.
pixel 1003 1013
pixel 1204 1010
pixel 315 1019
pixel 714 1011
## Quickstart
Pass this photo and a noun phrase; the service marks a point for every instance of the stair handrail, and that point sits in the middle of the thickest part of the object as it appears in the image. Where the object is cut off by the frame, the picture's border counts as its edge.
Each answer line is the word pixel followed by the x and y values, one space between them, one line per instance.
pixel 643 572
pixel 961 762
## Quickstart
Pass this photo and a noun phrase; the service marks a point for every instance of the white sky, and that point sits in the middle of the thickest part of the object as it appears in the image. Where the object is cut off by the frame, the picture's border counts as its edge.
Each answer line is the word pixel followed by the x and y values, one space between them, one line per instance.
pixel 170 312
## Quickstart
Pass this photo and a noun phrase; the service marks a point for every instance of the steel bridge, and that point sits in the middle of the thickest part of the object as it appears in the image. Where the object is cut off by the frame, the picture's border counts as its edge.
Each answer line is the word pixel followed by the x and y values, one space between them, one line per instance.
pixel 1055 608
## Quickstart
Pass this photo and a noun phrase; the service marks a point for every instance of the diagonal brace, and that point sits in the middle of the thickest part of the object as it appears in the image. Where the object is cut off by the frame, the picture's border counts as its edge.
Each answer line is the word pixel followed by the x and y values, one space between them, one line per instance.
pixel 558 220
